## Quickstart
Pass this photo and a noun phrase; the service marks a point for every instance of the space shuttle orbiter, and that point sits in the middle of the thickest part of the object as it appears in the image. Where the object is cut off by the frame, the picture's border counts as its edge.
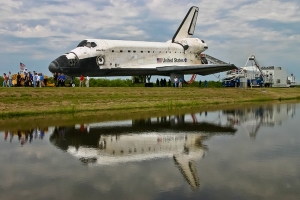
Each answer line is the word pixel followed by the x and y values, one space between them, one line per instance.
pixel 178 56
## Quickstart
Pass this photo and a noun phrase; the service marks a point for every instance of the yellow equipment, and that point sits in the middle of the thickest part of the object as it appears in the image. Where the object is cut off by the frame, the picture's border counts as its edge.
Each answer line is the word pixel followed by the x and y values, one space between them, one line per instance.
pixel 22 80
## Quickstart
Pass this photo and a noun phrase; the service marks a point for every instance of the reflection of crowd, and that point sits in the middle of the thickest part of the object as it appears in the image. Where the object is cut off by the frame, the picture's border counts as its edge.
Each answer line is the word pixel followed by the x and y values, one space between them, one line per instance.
pixel 25 136
pixel 60 131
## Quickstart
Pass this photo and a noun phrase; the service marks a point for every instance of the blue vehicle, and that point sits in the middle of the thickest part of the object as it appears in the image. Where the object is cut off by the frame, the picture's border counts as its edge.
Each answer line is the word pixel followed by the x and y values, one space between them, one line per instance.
pixel 257 82
pixel 231 82
pixel 235 82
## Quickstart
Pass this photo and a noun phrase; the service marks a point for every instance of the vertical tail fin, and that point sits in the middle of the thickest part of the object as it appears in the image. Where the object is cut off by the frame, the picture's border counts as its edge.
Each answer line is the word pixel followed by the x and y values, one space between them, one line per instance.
pixel 187 26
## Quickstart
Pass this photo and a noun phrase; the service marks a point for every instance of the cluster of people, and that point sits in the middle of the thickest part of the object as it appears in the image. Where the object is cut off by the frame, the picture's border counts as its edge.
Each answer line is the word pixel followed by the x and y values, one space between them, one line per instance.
pixel 163 83
pixel 28 79
pixel 178 82
pixel 31 79
pixel 81 81
pixel 205 83
pixel 59 79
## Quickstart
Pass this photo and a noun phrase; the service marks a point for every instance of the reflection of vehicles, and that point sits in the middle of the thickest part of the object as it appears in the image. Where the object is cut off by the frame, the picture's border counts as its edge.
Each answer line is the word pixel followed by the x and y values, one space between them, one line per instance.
pixel 176 57
pixel 138 140
pixel 251 119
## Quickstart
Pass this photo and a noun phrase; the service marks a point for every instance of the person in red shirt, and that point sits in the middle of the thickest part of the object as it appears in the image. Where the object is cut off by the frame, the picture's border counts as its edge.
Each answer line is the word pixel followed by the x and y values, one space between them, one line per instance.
pixel 81 79
pixel 5 79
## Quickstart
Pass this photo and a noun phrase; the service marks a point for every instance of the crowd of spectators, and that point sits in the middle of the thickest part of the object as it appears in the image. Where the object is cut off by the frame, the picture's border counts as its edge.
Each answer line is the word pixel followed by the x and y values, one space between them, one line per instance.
pixel 24 78
pixel 31 79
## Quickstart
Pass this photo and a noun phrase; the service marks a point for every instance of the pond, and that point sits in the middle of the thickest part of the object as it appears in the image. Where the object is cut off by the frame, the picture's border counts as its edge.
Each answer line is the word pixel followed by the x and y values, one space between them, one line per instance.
pixel 242 153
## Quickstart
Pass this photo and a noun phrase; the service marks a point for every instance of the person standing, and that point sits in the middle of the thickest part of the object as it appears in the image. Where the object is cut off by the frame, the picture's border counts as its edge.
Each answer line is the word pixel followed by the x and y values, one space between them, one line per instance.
pixel 87 84
pixel 55 76
pixel 26 80
pixel 58 79
pixel 81 79
pixel 25 72
pixel 175 81
pixel 30 78
pixel 200 82
pixel 180 82
pixel 9 79
pixel 205 83
pixel 4 84
pixel 18 80
pixel 42 80
pixel 38 77
pixel 34 79
pixel 63 79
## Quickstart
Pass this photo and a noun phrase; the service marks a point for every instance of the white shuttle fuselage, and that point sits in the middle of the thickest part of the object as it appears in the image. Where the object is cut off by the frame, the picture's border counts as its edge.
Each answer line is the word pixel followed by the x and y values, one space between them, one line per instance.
pixel 138 54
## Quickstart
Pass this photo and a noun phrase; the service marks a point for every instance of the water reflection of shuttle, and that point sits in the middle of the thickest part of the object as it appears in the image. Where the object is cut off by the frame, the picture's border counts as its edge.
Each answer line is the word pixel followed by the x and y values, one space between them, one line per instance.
pixel 113 143
pixel 252 118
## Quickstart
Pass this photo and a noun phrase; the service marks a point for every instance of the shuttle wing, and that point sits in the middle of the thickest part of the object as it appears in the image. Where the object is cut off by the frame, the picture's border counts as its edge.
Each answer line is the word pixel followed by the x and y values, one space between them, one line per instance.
pixel 197 69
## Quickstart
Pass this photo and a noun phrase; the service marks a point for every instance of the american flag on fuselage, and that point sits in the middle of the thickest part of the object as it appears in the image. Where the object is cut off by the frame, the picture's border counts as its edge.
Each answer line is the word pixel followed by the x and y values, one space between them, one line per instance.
pixel 22 66
pixel 159 60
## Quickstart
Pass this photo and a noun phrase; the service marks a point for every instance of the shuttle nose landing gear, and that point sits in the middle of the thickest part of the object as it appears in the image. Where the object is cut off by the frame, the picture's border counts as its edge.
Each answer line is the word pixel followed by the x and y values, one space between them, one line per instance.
pixel 72 84
pixel 71 81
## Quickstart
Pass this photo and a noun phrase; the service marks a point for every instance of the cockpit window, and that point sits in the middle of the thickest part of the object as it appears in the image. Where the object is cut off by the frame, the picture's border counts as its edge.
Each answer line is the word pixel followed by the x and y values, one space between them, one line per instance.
pixel 82 44
pixel 85 43
pixel 88 44
pixel 202 41
pixel 93 44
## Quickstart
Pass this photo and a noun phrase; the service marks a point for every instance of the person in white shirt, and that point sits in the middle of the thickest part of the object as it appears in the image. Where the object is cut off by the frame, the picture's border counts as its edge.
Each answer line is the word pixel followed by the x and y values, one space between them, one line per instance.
pixel 9 79
pixel 25 72
pixel 87 81
pixel 35 77
pixel 175 81
pixel 38 84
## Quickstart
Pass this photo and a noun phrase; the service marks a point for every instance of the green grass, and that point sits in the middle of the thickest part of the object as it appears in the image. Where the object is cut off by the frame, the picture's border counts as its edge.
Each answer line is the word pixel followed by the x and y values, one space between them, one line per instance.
pixel 41 101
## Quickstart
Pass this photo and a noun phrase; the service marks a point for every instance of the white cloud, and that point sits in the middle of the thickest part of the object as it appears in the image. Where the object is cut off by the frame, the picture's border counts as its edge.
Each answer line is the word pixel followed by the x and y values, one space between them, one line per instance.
pixel 9 5
pixel 284 11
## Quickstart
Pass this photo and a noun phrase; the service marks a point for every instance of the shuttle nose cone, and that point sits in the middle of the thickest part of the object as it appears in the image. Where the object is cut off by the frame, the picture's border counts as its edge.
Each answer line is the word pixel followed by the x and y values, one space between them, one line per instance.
pixel 53 68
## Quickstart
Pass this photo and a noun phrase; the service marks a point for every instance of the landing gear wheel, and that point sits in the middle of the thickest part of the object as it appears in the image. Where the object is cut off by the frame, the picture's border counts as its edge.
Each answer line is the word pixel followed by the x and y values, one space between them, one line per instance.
pixel 73 84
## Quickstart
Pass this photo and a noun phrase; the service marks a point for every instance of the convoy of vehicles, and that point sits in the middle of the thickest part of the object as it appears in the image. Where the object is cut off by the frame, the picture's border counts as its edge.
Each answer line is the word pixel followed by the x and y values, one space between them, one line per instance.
pixel 257 76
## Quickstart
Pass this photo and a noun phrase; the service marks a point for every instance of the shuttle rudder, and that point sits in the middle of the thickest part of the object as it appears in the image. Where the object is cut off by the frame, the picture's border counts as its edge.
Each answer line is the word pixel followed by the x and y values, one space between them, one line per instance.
pixel 187 26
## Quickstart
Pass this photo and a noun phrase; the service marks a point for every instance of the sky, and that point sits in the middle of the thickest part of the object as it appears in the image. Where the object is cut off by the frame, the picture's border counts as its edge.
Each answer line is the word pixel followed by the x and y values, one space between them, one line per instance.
pixel 37 32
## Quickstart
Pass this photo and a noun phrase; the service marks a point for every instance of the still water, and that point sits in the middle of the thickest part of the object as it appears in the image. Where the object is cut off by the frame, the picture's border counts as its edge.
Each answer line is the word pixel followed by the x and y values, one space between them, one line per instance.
pixel 243 153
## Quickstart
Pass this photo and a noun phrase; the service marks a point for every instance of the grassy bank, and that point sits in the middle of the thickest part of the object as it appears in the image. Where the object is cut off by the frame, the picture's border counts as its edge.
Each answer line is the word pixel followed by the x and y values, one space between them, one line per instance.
pixel 42 101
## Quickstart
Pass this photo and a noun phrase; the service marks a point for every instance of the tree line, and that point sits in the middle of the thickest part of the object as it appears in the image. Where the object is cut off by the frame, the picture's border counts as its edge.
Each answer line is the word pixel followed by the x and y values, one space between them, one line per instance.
pixel 105 82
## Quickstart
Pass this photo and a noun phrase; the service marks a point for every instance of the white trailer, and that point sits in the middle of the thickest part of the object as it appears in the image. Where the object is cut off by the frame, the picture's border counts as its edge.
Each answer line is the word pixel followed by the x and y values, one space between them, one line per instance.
pixel 291 81
pixel 275 77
